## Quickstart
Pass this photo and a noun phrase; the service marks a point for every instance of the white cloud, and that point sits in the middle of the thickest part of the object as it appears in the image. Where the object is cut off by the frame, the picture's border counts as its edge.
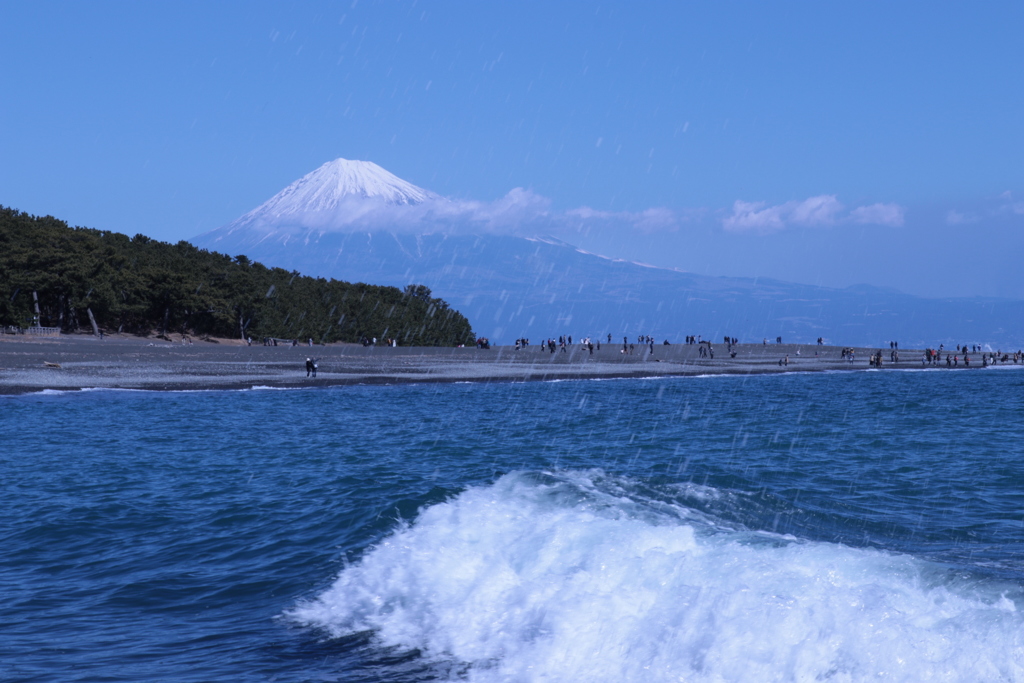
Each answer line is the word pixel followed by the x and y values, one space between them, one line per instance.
pixel 759 218
pixel 879 214
pixel 954 217
pixel 656 219
pixel 587 213
pixel 754 217
pixel 822 210
pixel 515 207
pixel 519 210
pixel 1011 205
pixel 999 207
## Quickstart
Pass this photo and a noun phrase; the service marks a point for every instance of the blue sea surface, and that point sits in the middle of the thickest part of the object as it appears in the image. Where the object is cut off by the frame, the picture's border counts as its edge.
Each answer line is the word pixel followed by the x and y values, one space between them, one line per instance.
pixel 803 527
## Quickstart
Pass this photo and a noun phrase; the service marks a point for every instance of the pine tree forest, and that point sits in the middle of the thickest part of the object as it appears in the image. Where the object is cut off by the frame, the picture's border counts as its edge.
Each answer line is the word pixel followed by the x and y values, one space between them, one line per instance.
pixel 86 280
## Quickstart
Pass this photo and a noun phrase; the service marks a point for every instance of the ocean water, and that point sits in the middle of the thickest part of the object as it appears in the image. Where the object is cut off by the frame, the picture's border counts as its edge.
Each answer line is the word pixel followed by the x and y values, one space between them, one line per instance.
pixel 820 527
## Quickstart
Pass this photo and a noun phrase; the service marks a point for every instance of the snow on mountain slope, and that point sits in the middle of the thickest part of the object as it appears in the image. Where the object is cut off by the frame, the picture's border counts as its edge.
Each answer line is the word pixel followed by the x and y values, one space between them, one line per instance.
pixel 337 190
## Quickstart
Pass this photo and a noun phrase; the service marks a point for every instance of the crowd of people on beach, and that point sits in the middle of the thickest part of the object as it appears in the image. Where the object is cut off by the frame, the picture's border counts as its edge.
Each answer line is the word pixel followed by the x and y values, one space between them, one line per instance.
pixel 564 342
pixel 934 357
pixel 372 341
pixel 705 350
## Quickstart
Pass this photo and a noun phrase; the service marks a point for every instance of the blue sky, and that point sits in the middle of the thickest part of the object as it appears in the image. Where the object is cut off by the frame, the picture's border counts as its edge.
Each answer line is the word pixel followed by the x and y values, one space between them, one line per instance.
pixel 831 143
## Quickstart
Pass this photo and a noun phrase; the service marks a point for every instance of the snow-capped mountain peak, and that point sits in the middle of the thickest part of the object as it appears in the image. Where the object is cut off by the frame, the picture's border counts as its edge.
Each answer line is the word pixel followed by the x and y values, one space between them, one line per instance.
pixel 334 184
pixel 343 178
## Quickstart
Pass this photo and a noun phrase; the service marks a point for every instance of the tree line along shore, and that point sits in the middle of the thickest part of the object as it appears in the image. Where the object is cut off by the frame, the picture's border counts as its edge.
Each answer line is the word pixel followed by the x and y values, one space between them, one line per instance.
pixel 81 279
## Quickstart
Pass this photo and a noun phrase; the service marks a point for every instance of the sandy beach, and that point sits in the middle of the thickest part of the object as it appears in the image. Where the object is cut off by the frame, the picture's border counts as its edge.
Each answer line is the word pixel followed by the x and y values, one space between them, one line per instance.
pixel 124 362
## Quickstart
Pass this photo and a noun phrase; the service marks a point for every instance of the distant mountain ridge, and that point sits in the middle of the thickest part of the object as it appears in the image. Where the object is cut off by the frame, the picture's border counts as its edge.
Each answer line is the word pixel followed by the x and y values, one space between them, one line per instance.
pixel 511 287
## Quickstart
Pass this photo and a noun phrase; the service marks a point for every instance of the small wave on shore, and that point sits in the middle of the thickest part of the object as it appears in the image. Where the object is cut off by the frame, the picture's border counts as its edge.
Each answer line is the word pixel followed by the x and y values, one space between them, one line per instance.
pixel 578 576
pixel 79 390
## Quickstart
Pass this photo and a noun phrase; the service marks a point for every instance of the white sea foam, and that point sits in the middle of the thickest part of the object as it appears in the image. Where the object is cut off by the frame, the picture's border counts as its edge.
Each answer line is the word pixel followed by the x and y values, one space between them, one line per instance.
pixel 120 389
pixel 80 390
pixel 561 579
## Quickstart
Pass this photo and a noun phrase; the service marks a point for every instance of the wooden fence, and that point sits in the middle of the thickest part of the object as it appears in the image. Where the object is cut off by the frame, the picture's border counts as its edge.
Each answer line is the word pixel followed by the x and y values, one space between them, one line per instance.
pixel 43 331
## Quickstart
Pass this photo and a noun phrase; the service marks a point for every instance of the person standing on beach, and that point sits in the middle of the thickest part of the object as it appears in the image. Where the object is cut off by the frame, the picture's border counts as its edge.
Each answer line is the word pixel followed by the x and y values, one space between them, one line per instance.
pixel 309 366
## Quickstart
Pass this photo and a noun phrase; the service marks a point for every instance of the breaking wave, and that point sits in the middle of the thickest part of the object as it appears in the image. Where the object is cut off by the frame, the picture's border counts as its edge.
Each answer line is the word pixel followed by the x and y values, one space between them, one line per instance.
pixel 583 577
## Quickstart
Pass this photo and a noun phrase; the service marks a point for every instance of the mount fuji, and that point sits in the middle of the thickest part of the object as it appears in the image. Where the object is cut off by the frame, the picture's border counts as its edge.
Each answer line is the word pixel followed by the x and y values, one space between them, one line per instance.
pixel 355 221
pixel 338 193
